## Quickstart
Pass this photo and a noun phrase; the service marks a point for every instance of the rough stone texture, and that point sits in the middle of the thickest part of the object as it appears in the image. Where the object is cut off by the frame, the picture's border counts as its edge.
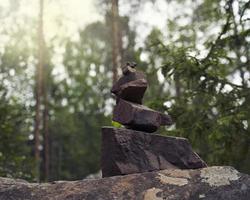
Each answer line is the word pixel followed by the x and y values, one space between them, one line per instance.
pixel 131 76
pixel 127 151
pixel 212 183
pixel 128 68
pixel 133 91
pixel 139 117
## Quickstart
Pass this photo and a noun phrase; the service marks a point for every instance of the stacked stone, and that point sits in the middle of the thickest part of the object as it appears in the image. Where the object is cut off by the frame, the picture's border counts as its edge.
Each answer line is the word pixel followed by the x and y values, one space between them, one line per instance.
pixel 132 149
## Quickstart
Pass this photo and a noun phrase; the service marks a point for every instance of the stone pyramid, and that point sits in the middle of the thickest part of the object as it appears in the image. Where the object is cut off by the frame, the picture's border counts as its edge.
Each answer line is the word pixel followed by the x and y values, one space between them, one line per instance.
pixel 134 149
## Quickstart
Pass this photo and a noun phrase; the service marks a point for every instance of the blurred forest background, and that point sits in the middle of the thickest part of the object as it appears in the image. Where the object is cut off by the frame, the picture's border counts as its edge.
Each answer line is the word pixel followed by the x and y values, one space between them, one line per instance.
pixel 56 73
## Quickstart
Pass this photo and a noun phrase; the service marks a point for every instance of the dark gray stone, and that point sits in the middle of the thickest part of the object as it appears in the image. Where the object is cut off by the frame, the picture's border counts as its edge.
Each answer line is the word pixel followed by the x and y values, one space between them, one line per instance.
pixel 212 183
pixel 133 91
pixel 132 85
pixel 128 68
pixel 139 117
pixel 131 76
pixel 127 151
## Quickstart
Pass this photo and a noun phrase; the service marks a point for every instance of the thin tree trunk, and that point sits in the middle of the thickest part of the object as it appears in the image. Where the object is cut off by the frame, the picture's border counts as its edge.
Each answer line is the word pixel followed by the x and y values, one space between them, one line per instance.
pixel 121 50
pixel 45 99
pixel 177 86
pixel 115 40
pixel 39 81
pixel 39 90
pixel 44 94
pixel 37 123
pixel 46 131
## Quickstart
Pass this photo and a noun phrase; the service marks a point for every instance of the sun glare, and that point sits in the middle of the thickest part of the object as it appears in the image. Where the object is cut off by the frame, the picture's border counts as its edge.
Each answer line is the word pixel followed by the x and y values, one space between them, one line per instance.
pixel 75 14
pixel 60 17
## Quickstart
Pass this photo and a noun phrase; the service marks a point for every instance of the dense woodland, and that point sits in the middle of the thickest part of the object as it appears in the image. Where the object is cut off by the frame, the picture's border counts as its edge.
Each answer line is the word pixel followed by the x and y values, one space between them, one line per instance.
pixel 198 68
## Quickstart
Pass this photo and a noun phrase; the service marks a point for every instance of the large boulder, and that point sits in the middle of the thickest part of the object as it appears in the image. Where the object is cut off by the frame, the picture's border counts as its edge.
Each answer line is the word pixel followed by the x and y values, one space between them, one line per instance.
pixel 127 151
pixel 212 183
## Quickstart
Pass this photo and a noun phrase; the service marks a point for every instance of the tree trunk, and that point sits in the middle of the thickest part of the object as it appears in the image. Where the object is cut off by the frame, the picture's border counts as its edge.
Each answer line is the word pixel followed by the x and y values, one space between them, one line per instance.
pixel 39 91
pixel 46 130
pixel 45 113
pixel 116 57
pixel 177 86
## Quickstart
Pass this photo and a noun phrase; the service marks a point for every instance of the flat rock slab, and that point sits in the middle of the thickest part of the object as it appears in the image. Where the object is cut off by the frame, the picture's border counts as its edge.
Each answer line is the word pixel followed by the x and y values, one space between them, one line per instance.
pixel 127 151
pixel 139 117
pixel 212 183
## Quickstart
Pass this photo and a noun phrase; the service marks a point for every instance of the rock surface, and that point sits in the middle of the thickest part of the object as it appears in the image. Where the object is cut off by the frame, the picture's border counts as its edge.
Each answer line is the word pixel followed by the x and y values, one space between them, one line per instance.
pixel 127 151
pixel 212 183
pixel 133 91
pixel 131 76
pixel 139 117
pixel 129 91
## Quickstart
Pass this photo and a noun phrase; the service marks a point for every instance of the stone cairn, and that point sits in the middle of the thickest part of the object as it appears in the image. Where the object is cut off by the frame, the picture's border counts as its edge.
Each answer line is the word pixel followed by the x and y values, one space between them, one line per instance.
pixel 133 149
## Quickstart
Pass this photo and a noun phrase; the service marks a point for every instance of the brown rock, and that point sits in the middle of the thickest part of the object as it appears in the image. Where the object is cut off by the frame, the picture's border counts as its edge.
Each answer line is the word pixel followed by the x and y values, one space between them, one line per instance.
pixel 128 68
pixel 126 151
pixel 133 91
pixel 131 76
pixel 139 117
pixel 212 183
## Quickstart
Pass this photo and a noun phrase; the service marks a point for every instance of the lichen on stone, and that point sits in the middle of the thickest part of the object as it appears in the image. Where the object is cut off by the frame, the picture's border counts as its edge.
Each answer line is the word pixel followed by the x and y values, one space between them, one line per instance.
pixel 219 176
pixel 172 180
pixel 151 194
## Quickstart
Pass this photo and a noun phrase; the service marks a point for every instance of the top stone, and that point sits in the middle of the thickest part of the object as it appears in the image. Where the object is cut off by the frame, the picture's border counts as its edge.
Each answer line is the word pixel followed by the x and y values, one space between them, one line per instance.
pixel 129 111
pixel 131 86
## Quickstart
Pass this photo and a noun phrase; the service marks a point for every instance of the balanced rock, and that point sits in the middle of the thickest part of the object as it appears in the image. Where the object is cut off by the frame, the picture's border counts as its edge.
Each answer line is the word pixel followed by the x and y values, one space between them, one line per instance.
pixel 131 86
pixel 129 111
pixel 139 117
pixel 128 68
pixel 133 91
pixel 127 151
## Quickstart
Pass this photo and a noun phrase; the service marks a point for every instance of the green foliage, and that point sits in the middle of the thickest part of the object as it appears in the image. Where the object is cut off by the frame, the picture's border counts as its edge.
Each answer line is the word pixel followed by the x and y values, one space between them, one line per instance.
pixel 197 66
pixel 80 102
pixel 16 159
pixel 116 124
pixel 207 106
pixel 15 154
